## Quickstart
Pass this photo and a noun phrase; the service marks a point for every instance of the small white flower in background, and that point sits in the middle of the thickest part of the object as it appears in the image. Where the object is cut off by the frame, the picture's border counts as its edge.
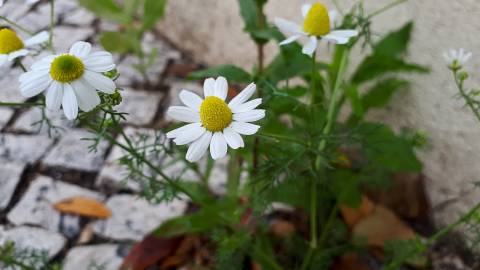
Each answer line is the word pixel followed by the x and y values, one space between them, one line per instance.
pixel 1 3
pixel 213 122
pixel 317 24
pixel 12 46
pixel 70 79
pixel 457 58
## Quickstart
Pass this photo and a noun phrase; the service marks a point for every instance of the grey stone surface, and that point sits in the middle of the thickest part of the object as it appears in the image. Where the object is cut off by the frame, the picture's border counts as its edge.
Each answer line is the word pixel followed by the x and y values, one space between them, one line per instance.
pixel 33 238
pixel 141 106
pixel 72 152
pixel 133 217
pixel 79 16
pixel 10 175
pixel 5 115
pixel 115 175
pixel 10 87
pixel 105 256
pixel 30 122
pixel 35 207
pixel 176 87
pixel 23 148
pixel 14 9
pixel 74 34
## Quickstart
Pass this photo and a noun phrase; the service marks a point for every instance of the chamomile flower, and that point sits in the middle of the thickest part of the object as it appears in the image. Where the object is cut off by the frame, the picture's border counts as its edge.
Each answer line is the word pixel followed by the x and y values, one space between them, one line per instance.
pixel 71 80
pixel 318 24
pixel 213 122
pixel 457 58
pixel 12 46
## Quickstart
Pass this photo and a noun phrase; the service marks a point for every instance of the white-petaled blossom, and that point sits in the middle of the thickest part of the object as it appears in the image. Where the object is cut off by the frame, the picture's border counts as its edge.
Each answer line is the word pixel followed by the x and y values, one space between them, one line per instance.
pixel 12 46
pixel 214 123
pixel 71 80
pixel 457 57
pixel 318 24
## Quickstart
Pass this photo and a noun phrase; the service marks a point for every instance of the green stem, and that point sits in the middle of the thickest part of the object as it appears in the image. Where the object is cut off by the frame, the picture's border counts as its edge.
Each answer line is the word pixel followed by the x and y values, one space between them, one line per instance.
pixel 328 224
pixel 313 213
pixel 15 104
pixel 281 138
pixel 385 8
pixel 465 96
pixel 313 93
pixel 52 25
pixel 16 25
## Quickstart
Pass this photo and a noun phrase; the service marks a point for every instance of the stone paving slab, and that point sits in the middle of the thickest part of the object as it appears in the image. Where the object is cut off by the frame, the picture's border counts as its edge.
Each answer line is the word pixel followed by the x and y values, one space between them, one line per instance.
pixel 10 175
pixel 33 238
pixel 35 207
pixel 29 122
pixel 23 148
pixel 14 10
pixel 104 256
pixel 5 115
pixel 10 91
pixel 141 106
pixel 133 217
pixel 74 34
pixel 115 175
pixel 72 152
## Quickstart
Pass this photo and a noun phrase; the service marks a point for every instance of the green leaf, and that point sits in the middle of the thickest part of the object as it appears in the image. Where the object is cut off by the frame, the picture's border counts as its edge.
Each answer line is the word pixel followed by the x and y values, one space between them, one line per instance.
pixel 375 66
pixel 351 92
pixel 290 63
pixel 346 186
pixel 254 23
pixel 396 42
pixel 153 10
pixel 379 95
pixel 116 42
pixel 106 9
pixel 232 73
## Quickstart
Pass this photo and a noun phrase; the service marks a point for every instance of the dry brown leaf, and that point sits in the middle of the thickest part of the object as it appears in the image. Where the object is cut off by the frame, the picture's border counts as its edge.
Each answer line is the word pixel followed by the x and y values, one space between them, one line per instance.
pixel 353 215
pixel 282 228
pixel 86 235
pixel 350 261
pixel 83 206
pixel 381 226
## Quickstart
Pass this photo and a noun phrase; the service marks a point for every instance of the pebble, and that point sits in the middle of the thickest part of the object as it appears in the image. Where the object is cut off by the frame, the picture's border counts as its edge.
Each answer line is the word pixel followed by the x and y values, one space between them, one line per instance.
pixel 141 106
pixel 30 122
pixel 23 148
pixel 106 256
pixel 5 115
pixel 10 175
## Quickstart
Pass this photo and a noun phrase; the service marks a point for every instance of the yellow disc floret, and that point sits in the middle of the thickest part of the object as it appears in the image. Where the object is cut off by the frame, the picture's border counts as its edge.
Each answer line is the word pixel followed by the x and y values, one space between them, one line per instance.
pixel 317 21
pixel 215 114
pixel 66 68
pixel 9 41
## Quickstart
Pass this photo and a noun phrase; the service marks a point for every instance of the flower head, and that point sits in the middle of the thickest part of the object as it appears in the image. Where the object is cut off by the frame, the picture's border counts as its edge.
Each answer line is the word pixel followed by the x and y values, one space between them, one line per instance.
pixel 457 58
pixel 213 122
pixel 318 24
pixel 70 79
pixel 12 46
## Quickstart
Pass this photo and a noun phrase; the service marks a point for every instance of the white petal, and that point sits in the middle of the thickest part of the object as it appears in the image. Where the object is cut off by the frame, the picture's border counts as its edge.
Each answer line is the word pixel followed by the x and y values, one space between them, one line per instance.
pixel 87 96
pixel 290 40
pixel 191 100
pixel 190 135
pixel 81 49
pixel 179 131
pixel 99 62
pixel 199 147
pixel 69 102
pixel 250 116
pixel 44 63
pixel 54 96
pixel 31 76
pixel 37 39
pixel 310 47
pixel 242 96
pixel 218 146
pixel 34 84
pixel 336 39
pixel 184 114
pixel 99 81
pixel 233 139
pixel 345 33
pixel 209 87
pixel 333 16
pixel 13 55
pixel 305 9
pixel 221 88
pixel 244 128
pixel 247 106
pixel 288 27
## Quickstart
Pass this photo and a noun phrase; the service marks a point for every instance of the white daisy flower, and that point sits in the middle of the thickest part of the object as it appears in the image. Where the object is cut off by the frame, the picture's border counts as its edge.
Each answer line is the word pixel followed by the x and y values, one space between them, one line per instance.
pixel 457 57
pixel 12 46
pixel 317 24
pixel 213 122
pixel 71 79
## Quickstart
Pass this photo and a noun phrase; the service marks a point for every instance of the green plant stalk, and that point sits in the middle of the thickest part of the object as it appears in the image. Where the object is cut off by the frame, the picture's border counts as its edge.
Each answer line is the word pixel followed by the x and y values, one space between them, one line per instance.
pixel 12 23
pixel 19 104
pixel 52 25
pixel 385 8
pixel 464 95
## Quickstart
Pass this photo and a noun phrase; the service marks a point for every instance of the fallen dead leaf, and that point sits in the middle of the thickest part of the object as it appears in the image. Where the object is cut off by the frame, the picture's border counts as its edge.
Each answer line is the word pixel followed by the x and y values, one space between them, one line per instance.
pixel 350 261
pixel 352 216
pixel 83 206
pixel 282 228
pixel 86 235
pixel 382 226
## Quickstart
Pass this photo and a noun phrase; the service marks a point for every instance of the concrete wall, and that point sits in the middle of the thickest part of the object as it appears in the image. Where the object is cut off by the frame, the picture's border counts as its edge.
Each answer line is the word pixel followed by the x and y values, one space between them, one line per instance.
pixel 211 30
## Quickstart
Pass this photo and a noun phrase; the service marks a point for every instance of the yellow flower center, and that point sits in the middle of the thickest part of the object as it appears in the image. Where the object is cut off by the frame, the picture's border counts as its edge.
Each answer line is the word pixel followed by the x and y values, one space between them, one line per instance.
pixel 215 114
pixel 317 21
pixel 66 68
pixel 9 41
